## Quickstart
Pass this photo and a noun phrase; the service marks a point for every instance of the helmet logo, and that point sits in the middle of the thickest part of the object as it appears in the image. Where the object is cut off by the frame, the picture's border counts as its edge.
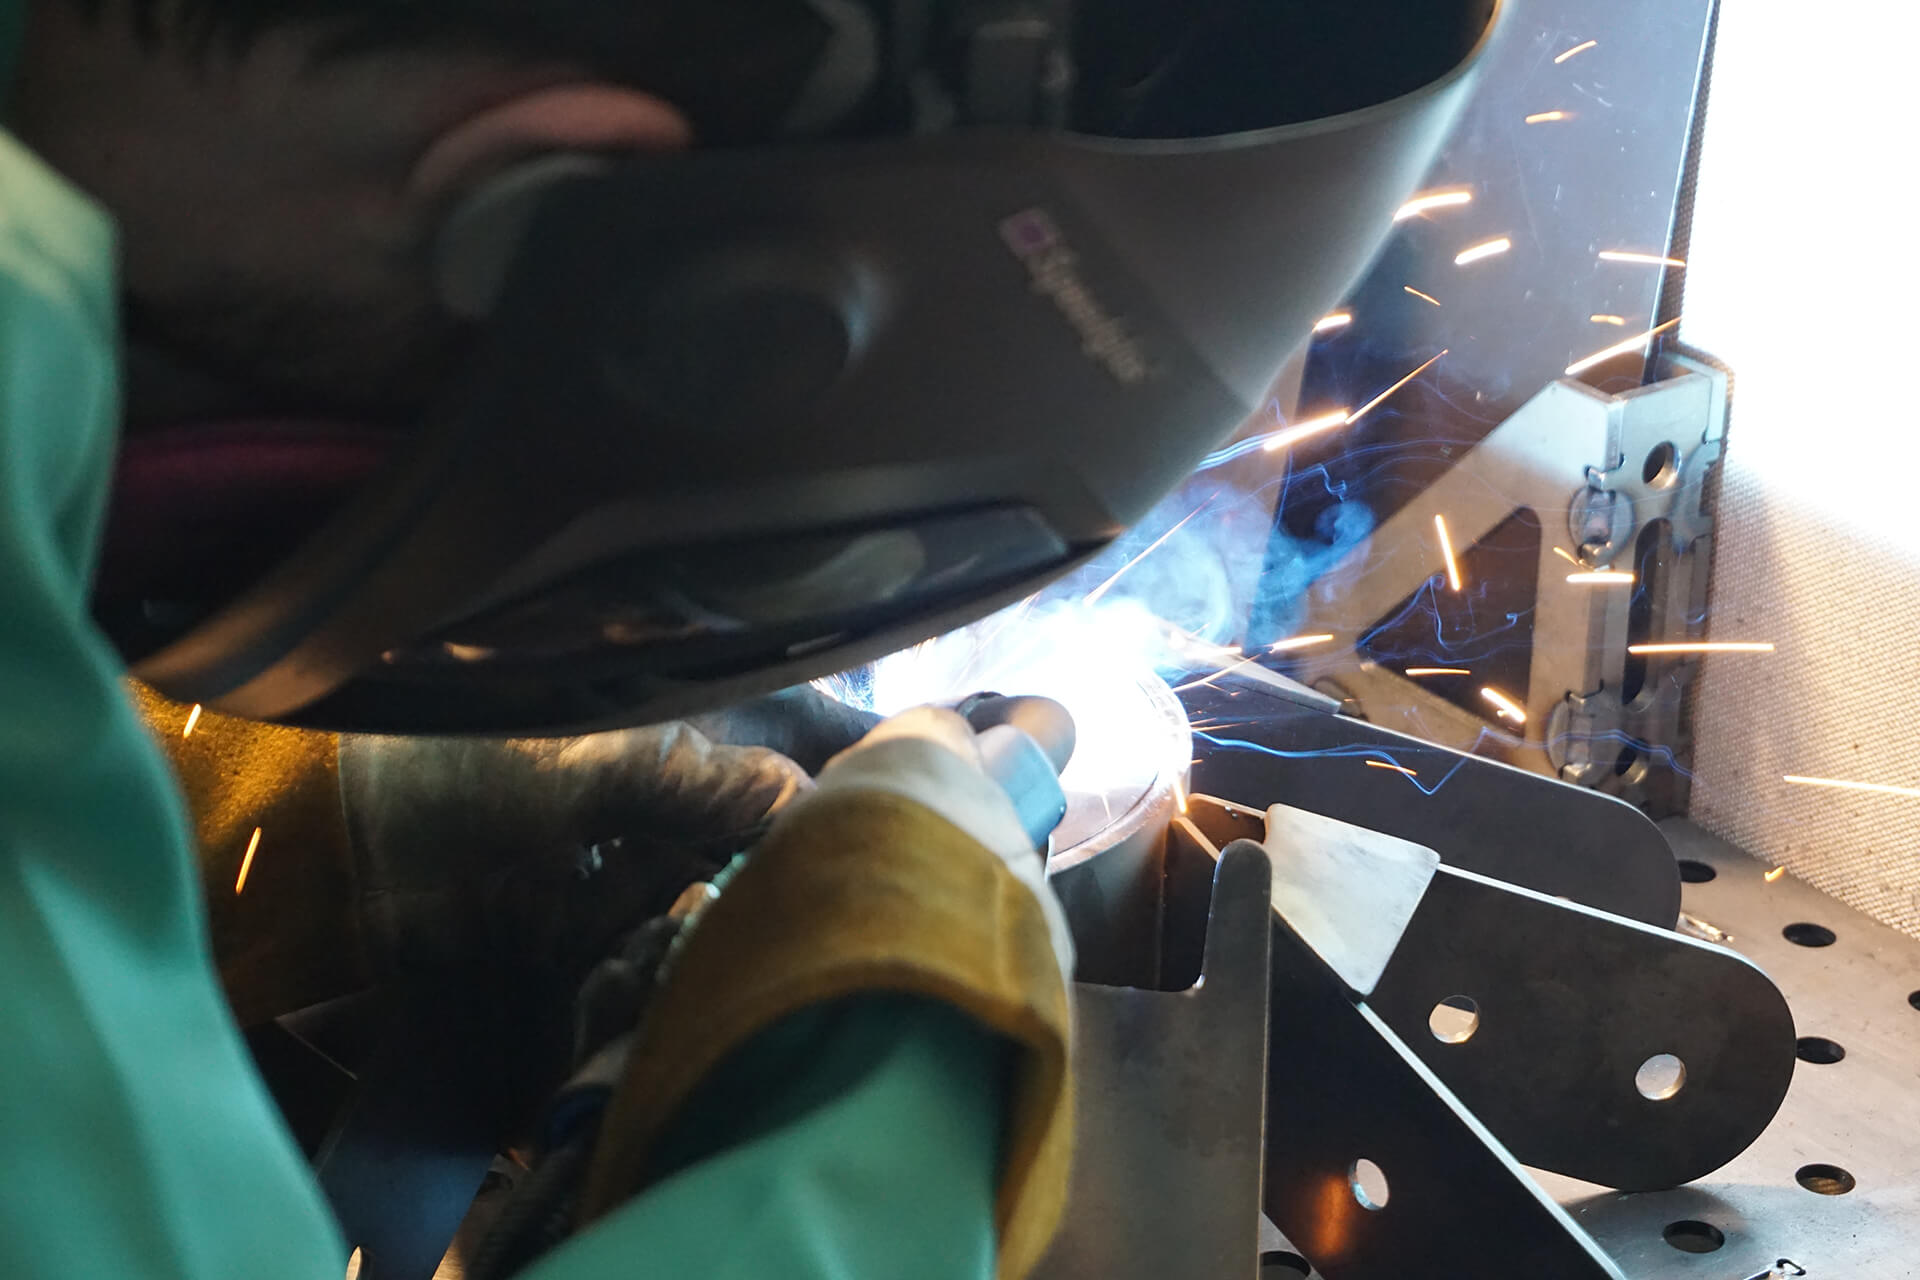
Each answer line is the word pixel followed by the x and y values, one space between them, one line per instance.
pixel 1054 267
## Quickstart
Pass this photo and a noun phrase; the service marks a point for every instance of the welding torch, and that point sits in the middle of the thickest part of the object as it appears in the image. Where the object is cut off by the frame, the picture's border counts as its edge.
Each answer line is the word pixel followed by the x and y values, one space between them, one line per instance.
pixel 1025 744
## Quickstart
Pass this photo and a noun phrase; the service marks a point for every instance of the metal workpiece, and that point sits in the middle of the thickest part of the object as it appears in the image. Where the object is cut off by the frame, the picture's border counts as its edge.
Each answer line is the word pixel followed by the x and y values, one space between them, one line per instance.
pixel 1829 1189
pixel 1349 893
pixel 1615 483
pixel 1593 1046
pixel 1262 743
pixel 1588 1044
pixel 1171 1098
pixel 1373 1165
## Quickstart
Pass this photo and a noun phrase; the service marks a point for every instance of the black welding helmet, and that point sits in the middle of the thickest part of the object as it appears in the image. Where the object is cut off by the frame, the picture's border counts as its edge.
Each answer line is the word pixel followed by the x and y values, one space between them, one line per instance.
pixel 960 297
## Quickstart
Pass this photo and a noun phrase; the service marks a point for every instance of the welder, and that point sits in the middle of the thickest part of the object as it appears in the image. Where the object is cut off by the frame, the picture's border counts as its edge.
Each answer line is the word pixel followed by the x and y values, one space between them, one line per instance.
pixel 860 1071
pixel 477 380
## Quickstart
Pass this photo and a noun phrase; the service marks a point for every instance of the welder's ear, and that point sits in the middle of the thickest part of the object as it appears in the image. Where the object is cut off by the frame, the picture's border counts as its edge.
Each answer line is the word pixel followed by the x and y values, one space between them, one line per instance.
pixel 481 178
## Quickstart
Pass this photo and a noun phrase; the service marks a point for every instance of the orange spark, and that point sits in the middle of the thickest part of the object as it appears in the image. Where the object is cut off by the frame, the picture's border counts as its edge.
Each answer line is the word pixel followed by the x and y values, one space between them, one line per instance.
pixel 1614 320
pixel 193 718
pixel 1416 672
pixel 1397 768
pixel 1097 592
pixel 1432 200
pixel 1601 578
pixel 1549 117
pixel 1383 397
pixel 1298 642
pixel 1180 792
pixel 246 863
pixel 1579 48
pixel 1774 875
pixel 1877 788
pixel 1337 320
pixel 1302 430
pixel 1446 550
pixel 1568 556
pixel 1620 348
pixel 1425 297
pixel 1485 249
pixel 1644 259
pixel 1725 646
pixel 1504 705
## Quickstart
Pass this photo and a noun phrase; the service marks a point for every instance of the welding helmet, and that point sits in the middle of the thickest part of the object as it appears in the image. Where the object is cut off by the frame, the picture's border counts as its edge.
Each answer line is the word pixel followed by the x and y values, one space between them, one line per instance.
pixel 964 288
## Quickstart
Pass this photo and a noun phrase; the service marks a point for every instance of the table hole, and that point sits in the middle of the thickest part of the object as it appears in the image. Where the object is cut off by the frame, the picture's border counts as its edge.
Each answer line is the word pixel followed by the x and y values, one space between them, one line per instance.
pixel 1824 1179
pixel 1804 934
pixel 1818 1050
pixel 1689 1236
pixel 1282 1264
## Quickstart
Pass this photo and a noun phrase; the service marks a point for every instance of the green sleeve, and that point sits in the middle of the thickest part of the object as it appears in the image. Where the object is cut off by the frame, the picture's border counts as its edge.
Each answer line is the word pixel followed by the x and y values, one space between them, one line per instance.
pixel 856 1142
pixel 138 1140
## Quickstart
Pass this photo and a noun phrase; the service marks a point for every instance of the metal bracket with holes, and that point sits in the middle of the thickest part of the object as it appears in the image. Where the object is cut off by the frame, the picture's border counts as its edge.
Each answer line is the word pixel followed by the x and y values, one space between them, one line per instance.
pixel 1265 740
pixel 1590 1045
pixel 1370 1159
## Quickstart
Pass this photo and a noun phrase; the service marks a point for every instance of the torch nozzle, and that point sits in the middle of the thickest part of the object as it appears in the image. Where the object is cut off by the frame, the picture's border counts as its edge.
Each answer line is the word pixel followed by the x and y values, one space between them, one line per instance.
pixel 1045 721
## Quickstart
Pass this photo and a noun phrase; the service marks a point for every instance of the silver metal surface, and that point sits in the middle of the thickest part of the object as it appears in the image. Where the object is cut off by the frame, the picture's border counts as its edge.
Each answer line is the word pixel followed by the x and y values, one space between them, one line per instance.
pixel 1347 891
pixel 1861 1114
pixel 1591 467
pixel 1171 1102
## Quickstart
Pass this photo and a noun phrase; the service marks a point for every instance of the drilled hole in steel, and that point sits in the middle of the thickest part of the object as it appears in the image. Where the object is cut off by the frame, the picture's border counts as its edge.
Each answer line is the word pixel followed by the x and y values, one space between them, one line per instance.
pixel 1689 1236
pixel 1824 1179
pixel 1454 1020
pixel 1369 1185
pixel 1913 998
pixel 1818 1050
pixel 1661 464
pixel 1803 934
pixel 353 1265
pixel 1692 872
pixel 1280 1264
pixel 1660 1077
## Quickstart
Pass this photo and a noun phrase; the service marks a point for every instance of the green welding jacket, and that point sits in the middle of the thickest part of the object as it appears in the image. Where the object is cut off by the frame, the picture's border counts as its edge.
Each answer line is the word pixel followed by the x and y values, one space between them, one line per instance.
pixel 138 1141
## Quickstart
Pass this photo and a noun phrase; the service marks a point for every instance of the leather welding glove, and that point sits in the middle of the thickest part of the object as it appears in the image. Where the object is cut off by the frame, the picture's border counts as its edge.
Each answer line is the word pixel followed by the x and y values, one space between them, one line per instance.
pixel 905 872
pixel 932 756
pixel 378 855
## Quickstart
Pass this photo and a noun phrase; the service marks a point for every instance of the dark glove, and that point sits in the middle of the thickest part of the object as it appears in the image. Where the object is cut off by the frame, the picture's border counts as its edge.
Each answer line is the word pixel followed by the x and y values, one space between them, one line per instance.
pixel 512 867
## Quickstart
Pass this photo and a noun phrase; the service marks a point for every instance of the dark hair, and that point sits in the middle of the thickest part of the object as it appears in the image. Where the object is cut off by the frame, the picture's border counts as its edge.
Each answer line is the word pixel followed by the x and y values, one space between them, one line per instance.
pixel 720 61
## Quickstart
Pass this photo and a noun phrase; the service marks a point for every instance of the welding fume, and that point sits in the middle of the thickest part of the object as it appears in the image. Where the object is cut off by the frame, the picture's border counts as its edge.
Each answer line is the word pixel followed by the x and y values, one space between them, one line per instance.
pixel 564 563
